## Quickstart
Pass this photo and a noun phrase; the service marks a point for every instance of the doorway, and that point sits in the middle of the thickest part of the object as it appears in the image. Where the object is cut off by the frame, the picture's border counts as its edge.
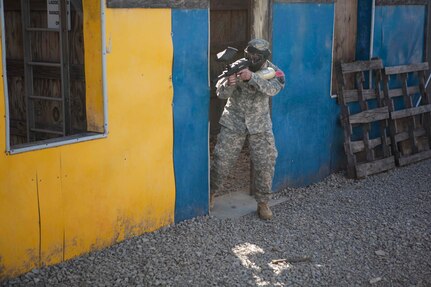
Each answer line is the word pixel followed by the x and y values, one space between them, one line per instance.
pixel 230 25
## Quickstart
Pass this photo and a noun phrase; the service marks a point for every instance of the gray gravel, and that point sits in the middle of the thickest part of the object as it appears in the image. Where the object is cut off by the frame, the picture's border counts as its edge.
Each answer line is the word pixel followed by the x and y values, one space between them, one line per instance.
pixel 372 232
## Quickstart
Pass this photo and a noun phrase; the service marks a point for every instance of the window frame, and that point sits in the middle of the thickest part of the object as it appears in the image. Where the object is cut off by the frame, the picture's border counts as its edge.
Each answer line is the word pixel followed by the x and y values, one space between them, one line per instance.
pixel 65 140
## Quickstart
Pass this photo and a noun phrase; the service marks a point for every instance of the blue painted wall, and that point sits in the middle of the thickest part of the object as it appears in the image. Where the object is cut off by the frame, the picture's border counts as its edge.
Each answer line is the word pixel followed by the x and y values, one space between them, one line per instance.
pixel 305 118
pixel 190 108
pixel 399 39
pixel 399 34
pixel 363 35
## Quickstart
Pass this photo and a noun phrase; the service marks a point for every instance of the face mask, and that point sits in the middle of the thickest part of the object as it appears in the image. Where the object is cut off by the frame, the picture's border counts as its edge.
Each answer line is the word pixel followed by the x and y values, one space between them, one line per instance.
pixel 256 59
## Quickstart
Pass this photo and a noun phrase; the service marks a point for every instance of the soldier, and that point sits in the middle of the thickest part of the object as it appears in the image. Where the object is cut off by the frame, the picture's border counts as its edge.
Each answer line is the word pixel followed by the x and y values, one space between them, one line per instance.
pixel 247 113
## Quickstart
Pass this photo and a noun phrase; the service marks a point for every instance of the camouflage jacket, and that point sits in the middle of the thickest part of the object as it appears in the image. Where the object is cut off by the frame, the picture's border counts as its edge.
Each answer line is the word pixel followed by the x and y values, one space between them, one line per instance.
pixel 247 107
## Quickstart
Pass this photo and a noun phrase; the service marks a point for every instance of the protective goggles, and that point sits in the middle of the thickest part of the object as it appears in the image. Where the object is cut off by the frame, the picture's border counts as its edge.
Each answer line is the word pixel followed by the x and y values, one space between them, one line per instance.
pixel 255 55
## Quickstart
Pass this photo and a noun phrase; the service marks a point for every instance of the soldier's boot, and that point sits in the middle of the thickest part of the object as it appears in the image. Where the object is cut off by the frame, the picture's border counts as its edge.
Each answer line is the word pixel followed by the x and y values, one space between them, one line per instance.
pixel 212 199
pixel 263 211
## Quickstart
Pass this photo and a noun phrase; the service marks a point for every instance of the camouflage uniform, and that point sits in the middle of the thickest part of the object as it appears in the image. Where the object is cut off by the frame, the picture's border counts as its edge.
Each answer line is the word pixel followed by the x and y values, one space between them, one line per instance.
pixel 247 113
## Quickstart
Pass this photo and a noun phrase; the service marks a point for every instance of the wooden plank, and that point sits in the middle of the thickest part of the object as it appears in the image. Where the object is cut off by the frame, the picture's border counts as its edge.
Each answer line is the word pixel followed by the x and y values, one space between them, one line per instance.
pixel 369 168
pixel 16 69
pixel 347 130
pixel 229 28
pixel 14 5
pixel 345 27
pixel 46 44
pixel 13 35
pixel 405 135
pixel 358 146
pixel 17 110
pixel 414 158
pixel 218 47
pixel 177 4
pixel 360 66
pixel 370 116
pixel 393 93
pixel 260 17
pixel 77 106
pixel 65 69
pixel 360 79
pixel 28 70
pixel 386 141
pixel 18 128
pixel 410 112
pixel 353 96
pixel 48 113
pixel 406 68
pixel 351 159
pixel 270 28
pixel 223 5
pixel 36 5
pixel 412 123
pixel 369 152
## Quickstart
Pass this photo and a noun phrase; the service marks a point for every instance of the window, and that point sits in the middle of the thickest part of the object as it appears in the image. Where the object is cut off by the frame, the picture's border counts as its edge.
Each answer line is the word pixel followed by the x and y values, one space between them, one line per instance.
pixel 50 99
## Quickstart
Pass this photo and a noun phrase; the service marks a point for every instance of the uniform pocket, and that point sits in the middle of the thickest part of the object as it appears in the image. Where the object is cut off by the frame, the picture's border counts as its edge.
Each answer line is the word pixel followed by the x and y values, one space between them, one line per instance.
pixel 269 137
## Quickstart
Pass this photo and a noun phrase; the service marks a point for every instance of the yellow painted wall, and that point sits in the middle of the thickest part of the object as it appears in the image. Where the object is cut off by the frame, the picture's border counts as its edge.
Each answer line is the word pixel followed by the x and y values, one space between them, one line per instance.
pixel 89 195
pixel 93 81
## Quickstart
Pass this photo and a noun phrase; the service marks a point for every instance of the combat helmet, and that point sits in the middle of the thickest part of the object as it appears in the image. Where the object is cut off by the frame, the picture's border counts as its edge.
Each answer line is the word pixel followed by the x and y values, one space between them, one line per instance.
pixel 257 52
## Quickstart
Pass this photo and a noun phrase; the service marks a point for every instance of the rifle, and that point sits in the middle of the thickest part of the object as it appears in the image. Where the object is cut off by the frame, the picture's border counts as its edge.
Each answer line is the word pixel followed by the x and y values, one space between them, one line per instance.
pixel 227 55
pixel 233 68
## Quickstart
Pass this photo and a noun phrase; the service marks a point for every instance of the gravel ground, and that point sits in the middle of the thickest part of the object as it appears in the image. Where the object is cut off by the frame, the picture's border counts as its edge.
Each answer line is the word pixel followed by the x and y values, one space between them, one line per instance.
pixel 371 232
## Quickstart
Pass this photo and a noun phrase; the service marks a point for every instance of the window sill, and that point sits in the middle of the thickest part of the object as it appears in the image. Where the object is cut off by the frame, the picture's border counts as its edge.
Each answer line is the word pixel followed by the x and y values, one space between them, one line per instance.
pixel 82 137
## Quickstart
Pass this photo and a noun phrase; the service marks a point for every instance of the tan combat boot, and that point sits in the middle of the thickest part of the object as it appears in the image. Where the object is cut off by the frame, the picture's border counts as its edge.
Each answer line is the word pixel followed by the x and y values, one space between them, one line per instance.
pixel 212 199
pixel 263 211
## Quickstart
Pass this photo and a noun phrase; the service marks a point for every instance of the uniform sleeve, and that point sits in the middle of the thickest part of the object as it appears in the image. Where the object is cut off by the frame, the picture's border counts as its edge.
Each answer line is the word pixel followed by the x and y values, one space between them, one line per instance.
pixel 224 91
pixel 269 87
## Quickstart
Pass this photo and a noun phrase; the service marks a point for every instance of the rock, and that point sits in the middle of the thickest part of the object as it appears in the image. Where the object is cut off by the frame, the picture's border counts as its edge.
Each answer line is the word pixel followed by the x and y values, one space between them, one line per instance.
pixel 380 253
pixel 375 280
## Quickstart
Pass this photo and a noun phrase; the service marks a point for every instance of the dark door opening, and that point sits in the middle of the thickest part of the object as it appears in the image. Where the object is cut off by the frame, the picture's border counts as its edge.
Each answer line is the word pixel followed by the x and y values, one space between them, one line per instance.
pixel 230 22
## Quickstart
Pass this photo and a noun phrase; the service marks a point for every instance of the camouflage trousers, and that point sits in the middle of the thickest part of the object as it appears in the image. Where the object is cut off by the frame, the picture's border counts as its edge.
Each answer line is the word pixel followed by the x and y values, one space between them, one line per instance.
pixel 263 154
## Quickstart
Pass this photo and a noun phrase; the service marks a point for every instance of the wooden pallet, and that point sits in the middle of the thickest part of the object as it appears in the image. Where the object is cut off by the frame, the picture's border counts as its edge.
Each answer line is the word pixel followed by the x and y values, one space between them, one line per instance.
pixel 362 158
pixel 410 126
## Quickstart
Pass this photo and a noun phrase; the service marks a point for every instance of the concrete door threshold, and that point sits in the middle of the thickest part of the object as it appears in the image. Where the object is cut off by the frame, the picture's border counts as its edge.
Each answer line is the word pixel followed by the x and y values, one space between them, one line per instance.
pixel 237 204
